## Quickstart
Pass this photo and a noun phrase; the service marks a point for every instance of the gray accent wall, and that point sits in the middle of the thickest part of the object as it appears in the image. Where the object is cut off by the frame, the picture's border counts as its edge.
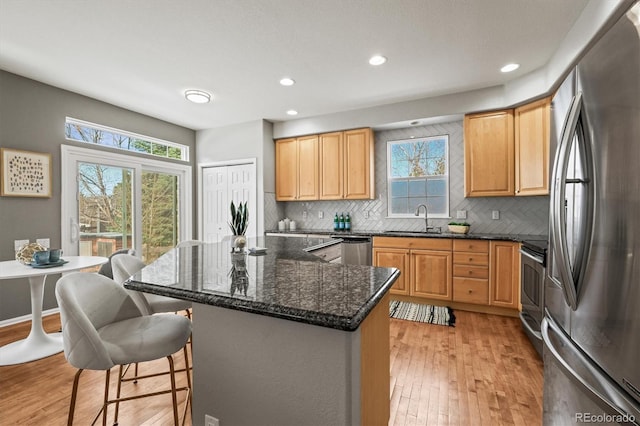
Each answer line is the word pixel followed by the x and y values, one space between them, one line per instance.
pixel 521 215
pixel 239 142
pixel 32 117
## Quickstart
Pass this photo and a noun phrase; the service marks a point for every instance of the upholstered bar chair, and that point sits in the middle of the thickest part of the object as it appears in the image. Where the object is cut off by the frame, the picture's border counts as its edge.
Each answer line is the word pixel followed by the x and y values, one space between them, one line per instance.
pixel 102 327
pixel 124 266
pixel 190 243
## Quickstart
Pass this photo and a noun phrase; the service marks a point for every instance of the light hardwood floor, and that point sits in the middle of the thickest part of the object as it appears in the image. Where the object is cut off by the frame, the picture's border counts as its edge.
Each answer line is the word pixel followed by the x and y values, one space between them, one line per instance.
pixel 481 372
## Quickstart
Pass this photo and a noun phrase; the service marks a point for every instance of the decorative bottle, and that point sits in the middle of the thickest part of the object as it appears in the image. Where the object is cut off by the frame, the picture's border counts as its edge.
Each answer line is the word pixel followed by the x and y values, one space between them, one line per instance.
pixel 347 222
pixel 341 222
pixel 336 223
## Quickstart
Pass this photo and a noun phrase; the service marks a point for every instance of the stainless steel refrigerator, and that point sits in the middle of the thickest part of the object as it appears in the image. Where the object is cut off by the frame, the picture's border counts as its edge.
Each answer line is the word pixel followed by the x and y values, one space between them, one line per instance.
pixel 591 328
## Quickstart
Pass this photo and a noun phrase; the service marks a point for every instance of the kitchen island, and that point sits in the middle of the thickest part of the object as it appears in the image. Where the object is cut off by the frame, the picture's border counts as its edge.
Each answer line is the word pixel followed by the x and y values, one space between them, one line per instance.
pixel 281 338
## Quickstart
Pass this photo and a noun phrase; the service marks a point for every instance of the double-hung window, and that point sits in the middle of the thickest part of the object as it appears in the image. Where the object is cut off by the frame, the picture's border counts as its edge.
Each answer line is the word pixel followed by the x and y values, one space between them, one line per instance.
pixel 418 173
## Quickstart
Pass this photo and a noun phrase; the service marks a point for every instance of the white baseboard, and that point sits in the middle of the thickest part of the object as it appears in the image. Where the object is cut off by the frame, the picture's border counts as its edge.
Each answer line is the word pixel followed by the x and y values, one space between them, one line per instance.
pixel 17 320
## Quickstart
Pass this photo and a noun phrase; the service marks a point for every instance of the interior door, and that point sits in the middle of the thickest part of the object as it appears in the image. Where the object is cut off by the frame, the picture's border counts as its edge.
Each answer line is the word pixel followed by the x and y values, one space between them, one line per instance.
pixel 221 185
pixel 214 196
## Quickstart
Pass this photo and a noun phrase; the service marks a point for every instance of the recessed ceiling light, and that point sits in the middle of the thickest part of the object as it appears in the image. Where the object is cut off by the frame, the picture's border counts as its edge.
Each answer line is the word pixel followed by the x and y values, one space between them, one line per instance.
pixel 292 112
pixel 197 96
pixel 377 60
pixel 287 81
pixel 510 67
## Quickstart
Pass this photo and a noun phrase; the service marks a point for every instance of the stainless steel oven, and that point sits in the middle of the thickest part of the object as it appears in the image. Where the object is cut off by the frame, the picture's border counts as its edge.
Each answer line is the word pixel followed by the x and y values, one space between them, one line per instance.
pixel 532 261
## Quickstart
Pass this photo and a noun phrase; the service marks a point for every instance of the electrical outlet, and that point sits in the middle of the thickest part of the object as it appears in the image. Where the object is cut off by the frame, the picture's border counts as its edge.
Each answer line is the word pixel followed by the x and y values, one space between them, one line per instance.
pixel 461 214
pixel 495 215
pixel 44 242
pixel 304 215
pixel 211 421
pixel 366 214
pixel 18 244
pixel 320 215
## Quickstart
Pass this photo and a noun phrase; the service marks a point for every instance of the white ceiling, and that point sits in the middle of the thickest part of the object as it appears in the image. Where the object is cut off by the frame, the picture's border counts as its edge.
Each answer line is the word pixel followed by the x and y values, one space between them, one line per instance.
pixel 142 55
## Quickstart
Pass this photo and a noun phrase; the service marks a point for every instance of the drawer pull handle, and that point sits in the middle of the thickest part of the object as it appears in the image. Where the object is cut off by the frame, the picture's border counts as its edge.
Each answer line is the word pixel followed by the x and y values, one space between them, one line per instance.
pixel 470 272
pixel 470 291
pixel 471 259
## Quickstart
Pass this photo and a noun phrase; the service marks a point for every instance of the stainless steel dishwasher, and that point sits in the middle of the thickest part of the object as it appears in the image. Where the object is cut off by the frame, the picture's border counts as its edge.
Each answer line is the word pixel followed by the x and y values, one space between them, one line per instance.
pixel 356 249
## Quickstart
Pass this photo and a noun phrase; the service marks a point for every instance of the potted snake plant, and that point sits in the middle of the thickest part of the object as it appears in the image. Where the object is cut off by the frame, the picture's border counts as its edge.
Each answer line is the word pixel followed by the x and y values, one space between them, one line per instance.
pixel 239 224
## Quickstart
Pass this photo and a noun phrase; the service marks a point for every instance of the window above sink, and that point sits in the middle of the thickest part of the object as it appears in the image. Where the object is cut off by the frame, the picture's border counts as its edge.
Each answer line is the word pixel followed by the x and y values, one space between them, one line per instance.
pixel 418 173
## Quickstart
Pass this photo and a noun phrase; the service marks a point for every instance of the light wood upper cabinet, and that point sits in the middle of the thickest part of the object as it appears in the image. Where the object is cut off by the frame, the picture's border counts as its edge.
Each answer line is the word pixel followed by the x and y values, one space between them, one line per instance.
pixel 297 169
pixel 358 164
pixel 504 274
pixel 286 169
pixel 394 258
pixel 329 166
pixel 308 186
pixel 532 132
pixel 489 154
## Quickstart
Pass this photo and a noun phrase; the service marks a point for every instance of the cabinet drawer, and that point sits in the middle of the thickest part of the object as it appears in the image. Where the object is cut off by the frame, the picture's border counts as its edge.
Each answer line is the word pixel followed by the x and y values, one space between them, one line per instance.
pixel 413 243
pixel 480 246
pixel 465 271
pixel 470 258
pixel 471 290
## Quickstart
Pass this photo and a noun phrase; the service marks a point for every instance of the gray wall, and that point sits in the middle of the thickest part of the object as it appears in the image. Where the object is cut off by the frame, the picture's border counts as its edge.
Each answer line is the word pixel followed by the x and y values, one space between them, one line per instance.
pixel 522 215
pixel 242 141
pixel 259 370
pixel 32 117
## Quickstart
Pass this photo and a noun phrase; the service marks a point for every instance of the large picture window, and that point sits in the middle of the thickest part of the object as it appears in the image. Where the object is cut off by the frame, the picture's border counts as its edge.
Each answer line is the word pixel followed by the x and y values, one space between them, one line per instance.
pixel 418 173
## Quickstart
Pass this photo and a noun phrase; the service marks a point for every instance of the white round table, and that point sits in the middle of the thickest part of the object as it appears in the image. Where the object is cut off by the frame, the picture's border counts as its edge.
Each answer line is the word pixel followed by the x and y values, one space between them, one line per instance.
pixel 38 344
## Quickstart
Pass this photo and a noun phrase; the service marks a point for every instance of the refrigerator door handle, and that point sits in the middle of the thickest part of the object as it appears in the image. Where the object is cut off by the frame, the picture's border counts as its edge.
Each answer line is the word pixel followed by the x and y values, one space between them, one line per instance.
pixel 583 371
pixel 558 216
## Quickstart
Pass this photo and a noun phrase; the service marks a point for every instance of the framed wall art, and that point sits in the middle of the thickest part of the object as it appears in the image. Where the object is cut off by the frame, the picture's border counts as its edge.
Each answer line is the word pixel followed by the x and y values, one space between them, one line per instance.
pixel 25 173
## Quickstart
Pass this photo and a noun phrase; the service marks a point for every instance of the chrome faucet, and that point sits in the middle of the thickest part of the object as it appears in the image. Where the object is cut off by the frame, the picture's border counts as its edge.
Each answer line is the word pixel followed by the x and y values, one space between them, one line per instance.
pixel 426 216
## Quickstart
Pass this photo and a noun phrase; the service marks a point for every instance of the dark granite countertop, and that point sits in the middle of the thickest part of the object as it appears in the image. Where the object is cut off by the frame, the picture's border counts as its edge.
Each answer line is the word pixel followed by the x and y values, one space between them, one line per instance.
pixel 412 234
pixel 287 282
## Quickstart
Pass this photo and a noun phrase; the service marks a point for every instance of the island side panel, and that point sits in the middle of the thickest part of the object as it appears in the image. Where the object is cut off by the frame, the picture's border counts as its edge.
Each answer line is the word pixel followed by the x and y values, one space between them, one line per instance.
pixel 375 367
pixel 252 369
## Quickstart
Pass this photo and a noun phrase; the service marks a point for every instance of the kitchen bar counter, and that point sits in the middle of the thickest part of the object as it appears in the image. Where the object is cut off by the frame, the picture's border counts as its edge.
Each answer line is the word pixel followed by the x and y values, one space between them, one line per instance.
pixel 284 338
pixel 287 282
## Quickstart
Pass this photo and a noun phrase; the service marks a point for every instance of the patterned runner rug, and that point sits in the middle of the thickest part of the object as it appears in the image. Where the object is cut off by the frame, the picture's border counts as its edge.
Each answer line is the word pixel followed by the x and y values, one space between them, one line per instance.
pixel 441 315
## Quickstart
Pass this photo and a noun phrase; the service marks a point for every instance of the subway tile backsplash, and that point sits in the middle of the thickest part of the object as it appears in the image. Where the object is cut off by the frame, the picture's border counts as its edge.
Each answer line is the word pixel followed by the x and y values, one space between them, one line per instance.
pixel 522 215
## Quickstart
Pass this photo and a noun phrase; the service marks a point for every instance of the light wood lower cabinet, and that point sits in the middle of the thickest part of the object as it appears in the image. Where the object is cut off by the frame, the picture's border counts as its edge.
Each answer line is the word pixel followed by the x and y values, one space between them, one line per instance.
pixel 504 274
pixel 470 274
pixel 424 263
pixel 471 271
pixel 430 274
pixel 394 258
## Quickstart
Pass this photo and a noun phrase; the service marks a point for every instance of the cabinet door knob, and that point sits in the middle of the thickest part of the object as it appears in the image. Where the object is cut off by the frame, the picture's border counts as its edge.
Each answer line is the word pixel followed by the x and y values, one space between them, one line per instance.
pixel 471 259
pixel 470 291
pixel 470 272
